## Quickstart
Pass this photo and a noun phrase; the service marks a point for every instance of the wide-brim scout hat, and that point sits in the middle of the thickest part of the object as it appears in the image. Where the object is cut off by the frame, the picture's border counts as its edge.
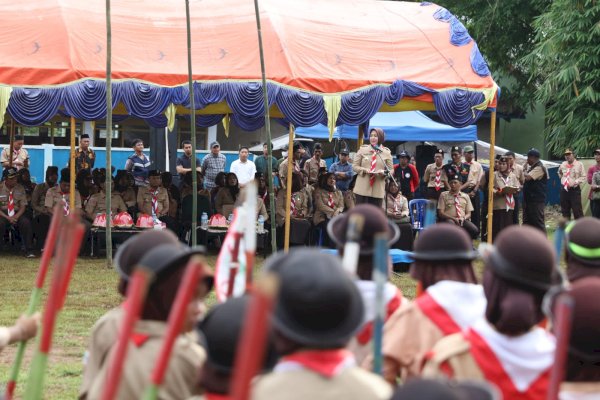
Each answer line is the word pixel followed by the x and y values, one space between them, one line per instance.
pixel 585 331
pixel 11 173
pixel 65 175
pixel 135 248
pixel 442 243
pixel 318 305
pixel 219 333
pixel 374 222
pixel 523 255
pixel 583 241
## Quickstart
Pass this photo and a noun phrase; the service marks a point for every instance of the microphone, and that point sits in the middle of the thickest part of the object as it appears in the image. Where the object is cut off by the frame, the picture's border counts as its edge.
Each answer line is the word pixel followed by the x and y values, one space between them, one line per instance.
pixel 376 148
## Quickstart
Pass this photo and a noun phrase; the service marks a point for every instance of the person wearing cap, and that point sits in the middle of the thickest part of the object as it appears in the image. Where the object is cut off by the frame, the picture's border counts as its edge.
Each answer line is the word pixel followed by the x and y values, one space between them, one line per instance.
pixel 20 156
pixel 328 203
pixel 283 167
pixel 184 161
pixel 406 174
pixel 41 217
pixel 317 312
pixel 84 155
pixel 372 163
pixel 436 177
pixel 582 248
pixel 506 186
pixel 582 370
pixel 473 183
pixel 243 168
pixel 342 170
pixel 506 346
pixel 138 163
pixel 60 194
pixel 448 300
pixel 572 175
pixel 219 333
pixel 13 204
pixel 593 178
pixel 97 202
pixel 300 224
pixel 534 191
pixel 455 207
pixel 314 164
pixel 104 333
pixel 154 200
pixel 213 163
pixel 374 222
pixel 168 264
pixel 519 172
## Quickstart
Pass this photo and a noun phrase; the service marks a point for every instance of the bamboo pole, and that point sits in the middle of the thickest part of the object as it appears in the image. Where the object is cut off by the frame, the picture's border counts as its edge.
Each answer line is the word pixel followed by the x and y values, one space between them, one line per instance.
pixel 288 189
pixel 72 167
pixel 192 127
pixel 361 135
pixel 12 143
pixel 109 123
pixel 267 129
pixel 490 214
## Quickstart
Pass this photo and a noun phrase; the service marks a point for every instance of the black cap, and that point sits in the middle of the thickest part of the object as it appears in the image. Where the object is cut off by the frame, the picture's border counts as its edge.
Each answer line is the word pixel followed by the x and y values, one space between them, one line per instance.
pixel 215 144
pixel 344 151
pixel 19 138
pixel 155 172
pixel 51 170
pixel 65 175
pixel 400 152
pixel 318 305
pixel 439 151
pixel 219 334
pixel 317 146
pixel 533 152
pixel 84 136
pixel 10 173
pixel 455 149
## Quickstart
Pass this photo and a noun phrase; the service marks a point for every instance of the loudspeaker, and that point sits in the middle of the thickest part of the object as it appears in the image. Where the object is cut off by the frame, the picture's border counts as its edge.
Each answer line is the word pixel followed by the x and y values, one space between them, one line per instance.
pixel 424 157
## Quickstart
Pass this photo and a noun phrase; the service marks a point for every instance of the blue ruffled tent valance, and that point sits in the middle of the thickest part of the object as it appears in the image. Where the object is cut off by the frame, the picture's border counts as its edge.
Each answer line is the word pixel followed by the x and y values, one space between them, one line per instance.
pixel 85 100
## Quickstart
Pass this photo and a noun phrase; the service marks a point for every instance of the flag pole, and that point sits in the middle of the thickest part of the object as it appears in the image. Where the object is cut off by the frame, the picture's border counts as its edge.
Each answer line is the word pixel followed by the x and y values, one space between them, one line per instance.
pixel 108 182
pixel 490 214
pixel 192 126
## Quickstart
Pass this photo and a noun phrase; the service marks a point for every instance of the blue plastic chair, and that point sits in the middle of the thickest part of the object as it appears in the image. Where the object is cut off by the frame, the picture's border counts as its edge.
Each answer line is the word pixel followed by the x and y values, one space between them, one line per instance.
pixel 416 210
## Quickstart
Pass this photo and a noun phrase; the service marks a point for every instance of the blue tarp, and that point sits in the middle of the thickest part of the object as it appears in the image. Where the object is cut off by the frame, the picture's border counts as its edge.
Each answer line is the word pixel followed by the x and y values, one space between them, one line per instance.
pixel 406 126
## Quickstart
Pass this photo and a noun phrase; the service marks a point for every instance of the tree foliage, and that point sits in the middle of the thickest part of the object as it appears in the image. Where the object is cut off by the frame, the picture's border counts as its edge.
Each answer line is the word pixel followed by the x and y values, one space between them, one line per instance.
pixel 566 63
pixel 504 33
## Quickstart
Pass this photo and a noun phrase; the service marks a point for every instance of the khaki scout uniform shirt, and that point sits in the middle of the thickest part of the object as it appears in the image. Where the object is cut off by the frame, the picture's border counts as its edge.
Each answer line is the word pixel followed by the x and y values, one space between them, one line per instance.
pixel 577 177
pixel 311 167
pixel 361 164
pixel 351 384
pixel 301 203
pixel 499 183
pixel 475 173
pixel 429 176
pixel 322 211
pixel 182 374
pixel 22 155
pixel 144 200
pixel 446 204
pixel 19 198
pixel 54 196
pixel 517 169
pixel 38 198
pixel 128 196
pixel 283 170
pixel 97 204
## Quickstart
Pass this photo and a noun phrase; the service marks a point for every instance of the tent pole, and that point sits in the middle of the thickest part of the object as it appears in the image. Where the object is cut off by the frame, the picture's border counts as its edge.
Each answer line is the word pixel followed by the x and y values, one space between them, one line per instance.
pixel 288 188
pixel 267 128
pixel 361 135
pixel 192 127
pixel 72 166
pixel 490 214
pixel 108 145
pixel 12 143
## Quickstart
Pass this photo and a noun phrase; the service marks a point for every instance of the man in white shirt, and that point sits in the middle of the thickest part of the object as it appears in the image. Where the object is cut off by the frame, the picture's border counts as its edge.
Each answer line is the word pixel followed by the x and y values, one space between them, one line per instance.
pixel 243 168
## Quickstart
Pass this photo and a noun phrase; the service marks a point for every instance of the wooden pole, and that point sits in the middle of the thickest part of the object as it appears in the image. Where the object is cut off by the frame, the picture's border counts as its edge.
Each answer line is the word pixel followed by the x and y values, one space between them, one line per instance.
pixel 490 214
pixel 12 143
pixel 72 167
pixel 288 189
pixel 267 129
pixel 109 123
pixel 192 127
pixel 361 135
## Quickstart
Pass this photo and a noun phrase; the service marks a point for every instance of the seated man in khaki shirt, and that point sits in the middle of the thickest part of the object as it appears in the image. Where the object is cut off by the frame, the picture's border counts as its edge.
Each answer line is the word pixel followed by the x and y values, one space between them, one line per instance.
pixel 455 207
pixel 154 200
pixel 13 204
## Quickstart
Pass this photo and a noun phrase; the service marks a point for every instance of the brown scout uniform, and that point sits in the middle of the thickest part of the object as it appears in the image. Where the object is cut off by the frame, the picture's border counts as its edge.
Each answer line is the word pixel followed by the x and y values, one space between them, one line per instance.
pixel 128 197
pixel 54 196
pixel 349 199
pixel 97 204
pixel 21 156
pixel 322 210
pixel 352 383
pixel 399 213
pixel 144 200
pixel 429 176
pixel 182 374
pixel 517 169
pixel 19 198
pixel 224 202
pixel 311 167
pixel 577 177
pixel 499 198
pixel 301 204
pixel 446 203
pixel 475 173
pixel 283 170
pixel 361 165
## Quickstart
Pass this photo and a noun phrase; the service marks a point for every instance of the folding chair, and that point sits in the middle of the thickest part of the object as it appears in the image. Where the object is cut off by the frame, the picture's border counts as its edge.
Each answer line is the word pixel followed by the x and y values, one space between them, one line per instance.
pixel 416 210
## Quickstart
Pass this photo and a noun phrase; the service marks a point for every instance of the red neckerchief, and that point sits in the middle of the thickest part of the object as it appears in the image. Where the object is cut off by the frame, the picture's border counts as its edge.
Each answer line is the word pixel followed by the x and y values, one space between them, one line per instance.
pixel 216 396
pixel 373 165
pixel 366 334
pixel 324 362
pixel 11 204
pixel 438 179
pixel 330 202
pixel 139 339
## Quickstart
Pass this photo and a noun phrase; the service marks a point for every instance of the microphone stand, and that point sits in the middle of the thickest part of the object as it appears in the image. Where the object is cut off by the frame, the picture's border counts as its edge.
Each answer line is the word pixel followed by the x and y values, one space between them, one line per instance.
pixel 385 167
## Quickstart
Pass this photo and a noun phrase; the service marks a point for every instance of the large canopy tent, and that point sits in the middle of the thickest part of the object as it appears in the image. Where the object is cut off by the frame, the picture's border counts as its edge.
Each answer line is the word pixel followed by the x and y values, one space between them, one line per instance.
pixel 402 126
pixel 334 62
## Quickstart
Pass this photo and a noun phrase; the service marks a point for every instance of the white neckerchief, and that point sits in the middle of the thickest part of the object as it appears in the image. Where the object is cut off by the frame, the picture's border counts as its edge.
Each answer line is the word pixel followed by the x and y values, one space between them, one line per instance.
pixel 367 292
pixel 464 302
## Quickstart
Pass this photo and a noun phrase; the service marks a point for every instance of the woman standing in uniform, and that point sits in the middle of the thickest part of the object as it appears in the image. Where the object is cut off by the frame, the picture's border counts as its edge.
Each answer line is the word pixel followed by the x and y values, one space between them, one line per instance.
pixel 506 185
pixel 371 163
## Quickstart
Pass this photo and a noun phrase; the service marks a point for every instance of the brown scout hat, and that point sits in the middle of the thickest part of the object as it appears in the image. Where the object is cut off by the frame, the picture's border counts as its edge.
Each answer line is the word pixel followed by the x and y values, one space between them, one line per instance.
pixel 443 242
pixel 374 222
pixel 585 331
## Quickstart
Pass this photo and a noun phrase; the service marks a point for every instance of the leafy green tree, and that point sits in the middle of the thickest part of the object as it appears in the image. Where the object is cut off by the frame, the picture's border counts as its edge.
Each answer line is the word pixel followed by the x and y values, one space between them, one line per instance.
pixel 566 63
pixel 504 33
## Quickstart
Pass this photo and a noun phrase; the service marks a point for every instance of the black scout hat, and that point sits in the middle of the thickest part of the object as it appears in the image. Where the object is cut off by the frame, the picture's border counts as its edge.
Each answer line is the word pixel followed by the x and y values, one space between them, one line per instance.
pixel 165 256
pixel 10 173
pixel 65 175
pixel 440 151
pixel 154 172
pixel 455 149
pixel 318 305
pixel 134 249
pixel 219 334
pixel 374 222
pixel 523 255
pixel 443 242
pixel 583 248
